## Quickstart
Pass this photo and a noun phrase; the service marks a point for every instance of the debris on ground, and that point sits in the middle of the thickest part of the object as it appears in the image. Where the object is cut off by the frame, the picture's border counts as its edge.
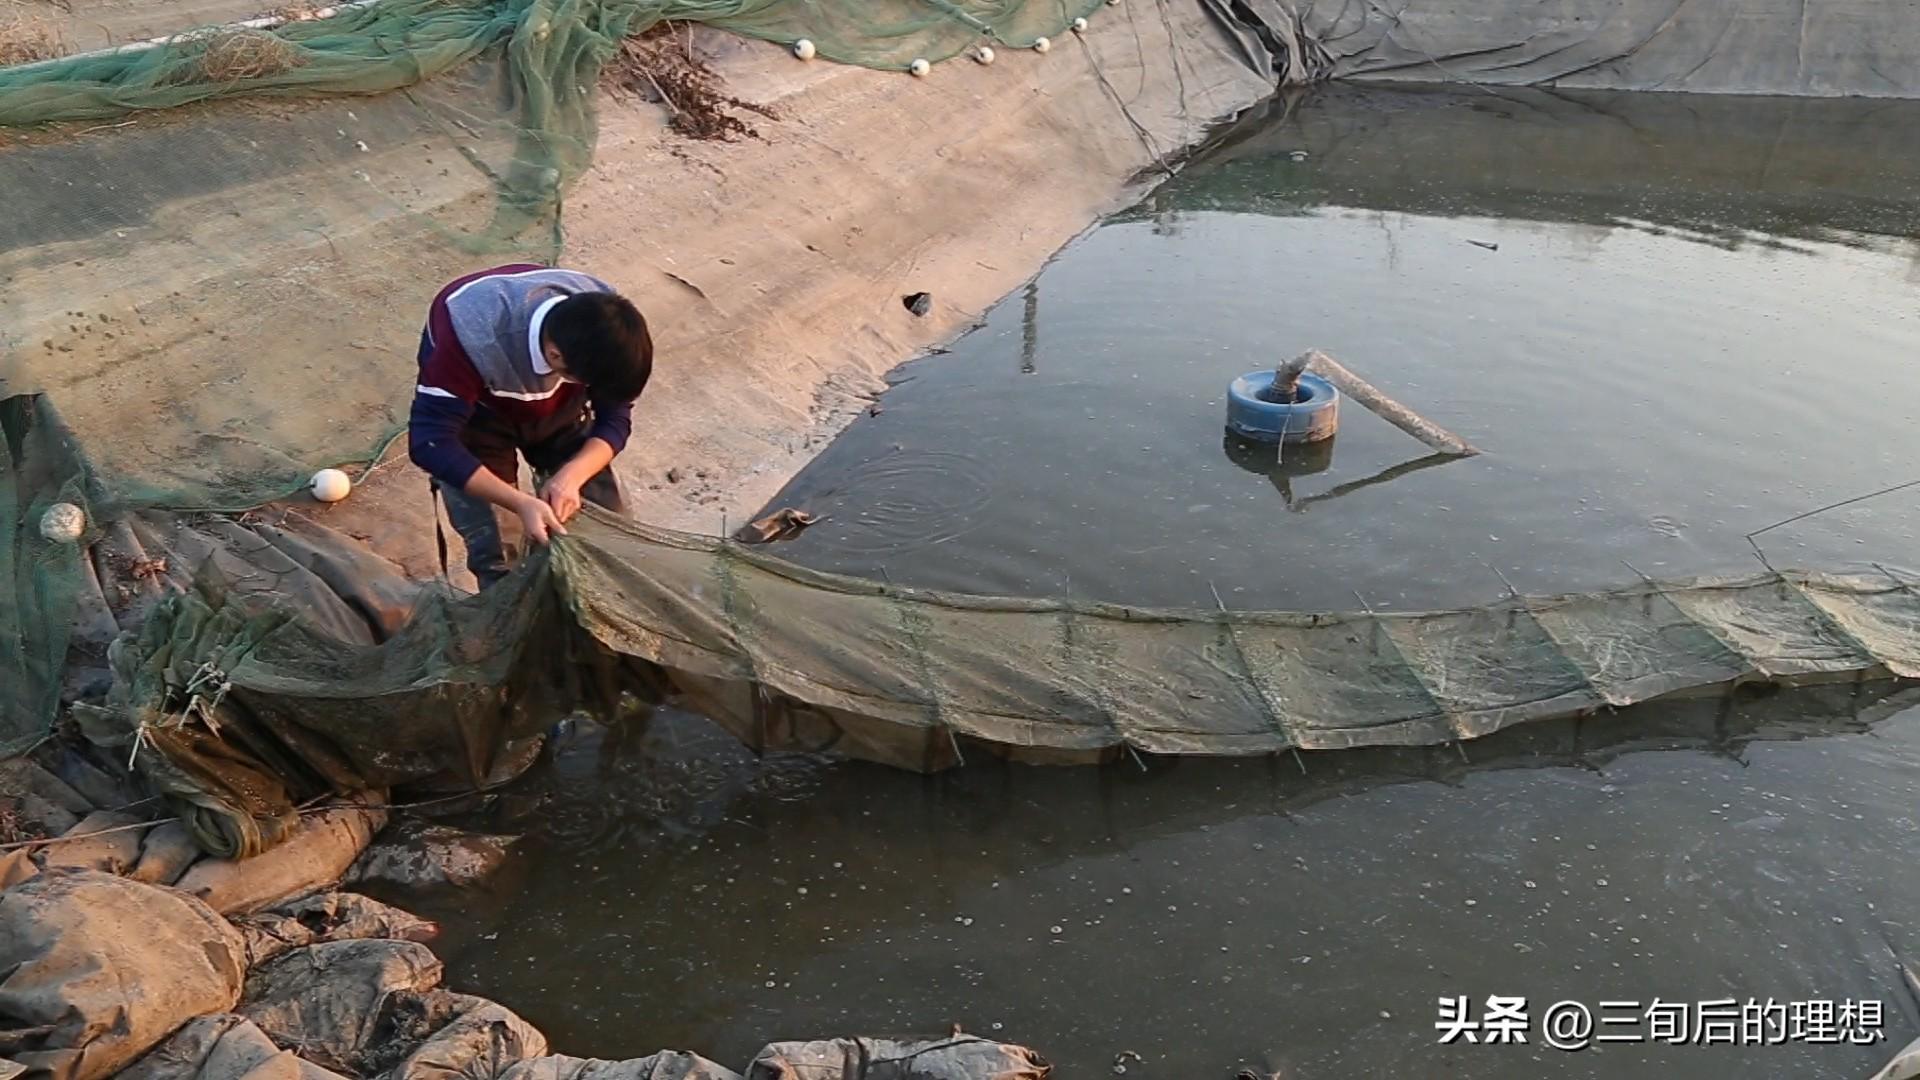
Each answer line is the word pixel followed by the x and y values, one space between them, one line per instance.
pixel 325 917
pixel 661 66
pixel 230 56
pixel 16 826
pixel 783 524
pixel 417 856
pixel 958 1057
pixel 27 36
pixel 919 303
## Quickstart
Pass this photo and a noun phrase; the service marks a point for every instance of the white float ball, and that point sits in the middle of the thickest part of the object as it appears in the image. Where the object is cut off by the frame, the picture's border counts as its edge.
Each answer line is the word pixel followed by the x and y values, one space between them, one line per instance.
pixel 331 485
pixel 984 54
pixel 63 523
pixel 1041 44
pixel 804 49
pixel 1079 26
pixel 919 68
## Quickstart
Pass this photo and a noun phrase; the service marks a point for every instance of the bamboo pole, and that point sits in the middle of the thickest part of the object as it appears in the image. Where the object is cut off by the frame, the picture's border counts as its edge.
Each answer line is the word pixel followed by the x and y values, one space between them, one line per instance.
pixel 1364 392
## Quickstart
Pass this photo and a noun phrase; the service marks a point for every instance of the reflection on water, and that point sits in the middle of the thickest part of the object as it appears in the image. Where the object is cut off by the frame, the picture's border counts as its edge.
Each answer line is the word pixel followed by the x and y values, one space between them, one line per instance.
pixel 1299 915
pixel 1668 323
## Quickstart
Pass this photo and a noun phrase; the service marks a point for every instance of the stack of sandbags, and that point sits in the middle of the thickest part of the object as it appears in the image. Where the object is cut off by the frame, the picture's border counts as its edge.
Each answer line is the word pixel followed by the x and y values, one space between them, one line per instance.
pixel 98 969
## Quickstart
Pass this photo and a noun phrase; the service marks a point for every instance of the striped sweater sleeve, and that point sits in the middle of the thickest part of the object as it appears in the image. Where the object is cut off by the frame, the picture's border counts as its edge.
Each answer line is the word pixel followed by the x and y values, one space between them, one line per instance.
pixel 443 402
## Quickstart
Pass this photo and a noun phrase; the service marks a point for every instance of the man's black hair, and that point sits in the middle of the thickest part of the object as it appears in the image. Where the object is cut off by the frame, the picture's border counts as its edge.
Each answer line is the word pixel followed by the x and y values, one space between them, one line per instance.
pixel 603 342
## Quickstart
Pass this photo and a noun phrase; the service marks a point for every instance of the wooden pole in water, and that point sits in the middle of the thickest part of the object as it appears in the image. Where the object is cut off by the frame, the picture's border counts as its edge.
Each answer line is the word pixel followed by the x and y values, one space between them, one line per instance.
pixel 1364 392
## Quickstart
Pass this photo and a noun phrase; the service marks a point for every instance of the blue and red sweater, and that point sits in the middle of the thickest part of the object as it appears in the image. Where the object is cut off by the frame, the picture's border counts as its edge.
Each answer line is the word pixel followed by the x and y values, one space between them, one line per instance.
pixel 481 352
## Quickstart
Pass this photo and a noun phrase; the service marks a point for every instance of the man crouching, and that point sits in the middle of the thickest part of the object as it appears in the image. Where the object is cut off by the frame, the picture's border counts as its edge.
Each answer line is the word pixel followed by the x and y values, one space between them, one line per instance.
pixel 525 361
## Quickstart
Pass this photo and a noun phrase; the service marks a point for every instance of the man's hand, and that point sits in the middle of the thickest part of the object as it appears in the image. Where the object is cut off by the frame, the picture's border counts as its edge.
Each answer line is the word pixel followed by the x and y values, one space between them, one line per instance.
pixel 562 491
pixel 562 494
pixel 539 521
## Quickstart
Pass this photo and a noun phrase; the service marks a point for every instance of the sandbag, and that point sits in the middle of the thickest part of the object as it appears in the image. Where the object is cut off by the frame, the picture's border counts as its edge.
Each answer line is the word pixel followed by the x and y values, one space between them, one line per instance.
pixel 21 776
pixel 225 1046
pixel 165 854
pixel 961 1057
pixel 38 802
pixel 100 841
pixel 110 967
pixel 318 851
pixel 17 866
pixel 330 1000
pixel 331 916
pixel 481 1041
pixel 665 1065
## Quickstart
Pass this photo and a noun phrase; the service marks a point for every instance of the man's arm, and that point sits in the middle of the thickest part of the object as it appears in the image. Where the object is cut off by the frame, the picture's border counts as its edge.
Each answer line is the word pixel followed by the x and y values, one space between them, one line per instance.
pixel 612 423
pixel 443 403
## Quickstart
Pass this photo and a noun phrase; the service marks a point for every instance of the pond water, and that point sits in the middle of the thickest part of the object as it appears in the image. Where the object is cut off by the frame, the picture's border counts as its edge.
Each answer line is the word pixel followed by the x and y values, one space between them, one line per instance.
pixel 1212 915
pixel 1693 327
pixel 1669 321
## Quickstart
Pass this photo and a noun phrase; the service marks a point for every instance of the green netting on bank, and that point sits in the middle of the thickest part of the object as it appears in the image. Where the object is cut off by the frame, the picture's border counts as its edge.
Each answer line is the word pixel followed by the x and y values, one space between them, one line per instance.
pixel 555 49
pixel 41 578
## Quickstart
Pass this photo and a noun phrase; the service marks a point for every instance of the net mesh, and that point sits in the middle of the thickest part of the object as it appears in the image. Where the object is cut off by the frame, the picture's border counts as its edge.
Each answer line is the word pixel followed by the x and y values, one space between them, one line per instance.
pixel 39 468
pixel 792 659
pixel 552 51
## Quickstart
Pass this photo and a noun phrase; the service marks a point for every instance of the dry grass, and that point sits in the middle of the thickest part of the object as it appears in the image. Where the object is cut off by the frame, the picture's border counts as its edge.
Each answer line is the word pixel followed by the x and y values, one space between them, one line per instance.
pixel 660 66
pixel 26 35
pixel 299 11
pixel 231 56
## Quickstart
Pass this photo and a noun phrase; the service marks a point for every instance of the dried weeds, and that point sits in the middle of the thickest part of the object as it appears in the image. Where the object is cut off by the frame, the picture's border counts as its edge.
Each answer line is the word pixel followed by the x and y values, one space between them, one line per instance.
pixel 27 36
pixel 231 56
pixel 661 66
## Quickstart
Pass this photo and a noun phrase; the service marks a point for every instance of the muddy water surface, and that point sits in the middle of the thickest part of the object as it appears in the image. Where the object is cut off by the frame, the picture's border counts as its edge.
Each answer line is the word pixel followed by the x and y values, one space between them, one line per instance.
pixel 1670 321
pixel 1214 915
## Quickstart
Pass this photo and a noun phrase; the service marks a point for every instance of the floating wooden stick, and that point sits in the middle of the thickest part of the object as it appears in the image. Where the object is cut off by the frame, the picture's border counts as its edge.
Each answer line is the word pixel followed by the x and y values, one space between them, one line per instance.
pixel 1364 392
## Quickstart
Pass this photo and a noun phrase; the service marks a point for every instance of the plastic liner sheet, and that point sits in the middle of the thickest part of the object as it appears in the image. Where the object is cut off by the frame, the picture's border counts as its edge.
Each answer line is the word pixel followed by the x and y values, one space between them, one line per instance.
pixel 1835 48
